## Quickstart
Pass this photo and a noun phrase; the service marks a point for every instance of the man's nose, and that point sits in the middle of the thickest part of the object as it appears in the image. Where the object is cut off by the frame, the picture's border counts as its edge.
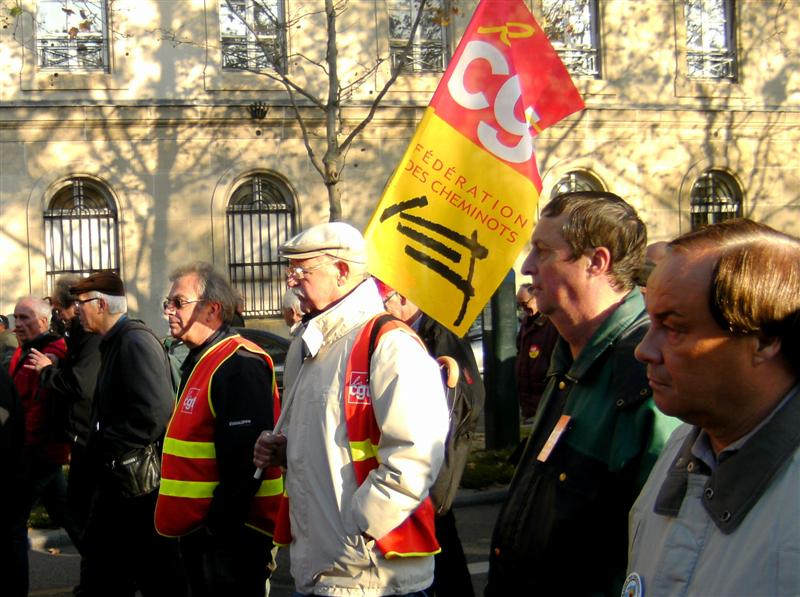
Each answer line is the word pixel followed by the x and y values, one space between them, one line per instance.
pixel 646 351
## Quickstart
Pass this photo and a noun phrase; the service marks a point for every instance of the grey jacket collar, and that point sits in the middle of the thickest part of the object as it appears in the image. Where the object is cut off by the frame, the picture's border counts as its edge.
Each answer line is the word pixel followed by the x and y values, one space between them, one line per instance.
pixel 742 477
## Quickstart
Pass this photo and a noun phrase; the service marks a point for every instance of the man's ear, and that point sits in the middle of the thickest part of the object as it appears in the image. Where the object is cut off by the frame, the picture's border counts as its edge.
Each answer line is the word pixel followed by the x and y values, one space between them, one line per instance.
pixel 599 261
pixel 213 310
pixel 766 348
pixel 344 269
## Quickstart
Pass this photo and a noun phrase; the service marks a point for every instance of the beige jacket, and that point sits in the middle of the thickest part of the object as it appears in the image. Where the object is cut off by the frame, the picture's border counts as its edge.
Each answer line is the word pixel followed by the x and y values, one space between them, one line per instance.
pixel 329 512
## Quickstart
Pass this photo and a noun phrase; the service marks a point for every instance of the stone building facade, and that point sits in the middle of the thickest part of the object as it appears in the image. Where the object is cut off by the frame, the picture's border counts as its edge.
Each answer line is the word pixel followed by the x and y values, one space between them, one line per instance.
pixel 134 134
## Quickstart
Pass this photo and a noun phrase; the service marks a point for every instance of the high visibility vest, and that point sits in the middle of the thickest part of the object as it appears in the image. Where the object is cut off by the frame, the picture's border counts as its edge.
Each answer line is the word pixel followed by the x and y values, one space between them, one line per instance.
pixel 189 473
pixel 415 536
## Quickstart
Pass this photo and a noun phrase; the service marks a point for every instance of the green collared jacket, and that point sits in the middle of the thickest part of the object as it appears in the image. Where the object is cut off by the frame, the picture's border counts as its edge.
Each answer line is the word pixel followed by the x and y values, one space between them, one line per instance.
pixel 563 527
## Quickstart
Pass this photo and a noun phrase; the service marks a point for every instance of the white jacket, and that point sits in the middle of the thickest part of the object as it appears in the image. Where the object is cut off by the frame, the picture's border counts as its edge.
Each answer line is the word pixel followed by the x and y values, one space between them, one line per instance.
pixel 328 511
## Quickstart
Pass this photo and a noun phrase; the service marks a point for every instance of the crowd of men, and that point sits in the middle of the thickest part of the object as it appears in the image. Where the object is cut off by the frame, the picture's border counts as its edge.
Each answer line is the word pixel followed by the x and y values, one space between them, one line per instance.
pixel 662 459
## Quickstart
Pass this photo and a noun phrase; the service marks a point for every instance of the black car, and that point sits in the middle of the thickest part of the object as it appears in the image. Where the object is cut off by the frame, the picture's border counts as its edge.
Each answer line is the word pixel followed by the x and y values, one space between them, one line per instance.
pixel 274 345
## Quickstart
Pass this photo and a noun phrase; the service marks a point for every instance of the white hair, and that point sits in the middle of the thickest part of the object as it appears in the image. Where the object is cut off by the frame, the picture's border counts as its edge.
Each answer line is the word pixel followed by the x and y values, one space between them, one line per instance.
pixel 115 304
pixel 40 307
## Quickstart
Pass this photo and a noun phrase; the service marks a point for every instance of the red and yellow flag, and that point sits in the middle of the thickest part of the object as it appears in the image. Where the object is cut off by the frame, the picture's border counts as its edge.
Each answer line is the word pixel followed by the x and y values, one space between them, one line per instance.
pixel 461 205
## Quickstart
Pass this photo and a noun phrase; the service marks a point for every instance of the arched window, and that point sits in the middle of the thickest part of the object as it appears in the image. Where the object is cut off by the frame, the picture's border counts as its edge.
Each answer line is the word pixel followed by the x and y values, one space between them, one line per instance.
pixel 716 197
pixel 575 181
pixel 261 217
pixel 80 226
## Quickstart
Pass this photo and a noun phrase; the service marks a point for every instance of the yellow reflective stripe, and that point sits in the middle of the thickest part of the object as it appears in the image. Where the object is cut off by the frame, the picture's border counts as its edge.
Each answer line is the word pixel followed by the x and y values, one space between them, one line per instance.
pixel 389 555
pixel 184 449
pixel 188 489
pixel 363 450
pixel 270 487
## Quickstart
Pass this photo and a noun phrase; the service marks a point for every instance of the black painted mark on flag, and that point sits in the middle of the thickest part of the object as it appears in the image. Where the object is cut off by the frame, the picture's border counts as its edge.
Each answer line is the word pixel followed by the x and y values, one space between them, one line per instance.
pixel 470 243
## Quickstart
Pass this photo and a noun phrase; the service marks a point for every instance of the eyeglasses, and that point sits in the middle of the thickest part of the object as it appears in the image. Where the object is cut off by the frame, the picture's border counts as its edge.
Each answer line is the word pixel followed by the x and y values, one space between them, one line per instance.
pixel 82 302
pixel 178 303
pixel 390 297
pixel 298 273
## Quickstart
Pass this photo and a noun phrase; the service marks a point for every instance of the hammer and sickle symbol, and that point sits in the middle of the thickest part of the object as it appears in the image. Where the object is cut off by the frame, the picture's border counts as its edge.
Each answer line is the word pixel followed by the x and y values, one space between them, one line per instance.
pixel 509 31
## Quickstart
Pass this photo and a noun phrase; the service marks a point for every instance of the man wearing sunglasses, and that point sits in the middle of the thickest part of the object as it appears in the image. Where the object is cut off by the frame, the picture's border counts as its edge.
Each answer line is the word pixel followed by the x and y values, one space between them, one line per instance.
pixel 208 496
pixel 362 439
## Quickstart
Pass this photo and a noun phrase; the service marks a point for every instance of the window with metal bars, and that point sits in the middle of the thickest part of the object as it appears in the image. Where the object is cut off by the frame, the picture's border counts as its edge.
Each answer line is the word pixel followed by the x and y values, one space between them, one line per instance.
pixel 253 34
pixel 260 218
pixel 72 35
pixel 575 181
pixel 710 41
pixel 81 230
pixel 715 197
pixel 572 28
pixel 428 52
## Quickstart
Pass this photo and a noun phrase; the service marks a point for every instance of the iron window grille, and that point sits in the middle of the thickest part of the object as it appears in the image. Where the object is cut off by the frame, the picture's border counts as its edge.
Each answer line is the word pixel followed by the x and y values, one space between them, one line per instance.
pixel 72 35
pixel 428 51
pixel 81 230
pixel 710 46
pixel 576 181
pixel 253 35
pixel 715 197
pixel 260 218
pixel 572 27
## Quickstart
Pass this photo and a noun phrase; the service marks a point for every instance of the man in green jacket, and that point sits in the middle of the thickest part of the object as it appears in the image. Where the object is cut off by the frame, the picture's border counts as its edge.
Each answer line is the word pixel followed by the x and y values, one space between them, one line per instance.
pixel 597 433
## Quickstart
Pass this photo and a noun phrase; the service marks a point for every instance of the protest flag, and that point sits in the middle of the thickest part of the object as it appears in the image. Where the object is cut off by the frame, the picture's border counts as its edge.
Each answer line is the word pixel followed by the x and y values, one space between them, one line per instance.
pixel 462 203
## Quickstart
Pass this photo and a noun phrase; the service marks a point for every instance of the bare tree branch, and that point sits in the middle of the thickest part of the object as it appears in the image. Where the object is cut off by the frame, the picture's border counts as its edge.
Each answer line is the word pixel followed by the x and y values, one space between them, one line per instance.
pixel 384 90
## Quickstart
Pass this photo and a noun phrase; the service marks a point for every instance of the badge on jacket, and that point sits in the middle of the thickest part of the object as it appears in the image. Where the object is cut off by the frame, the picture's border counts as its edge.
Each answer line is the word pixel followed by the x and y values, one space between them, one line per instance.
pixel 633 586
pixel 534 351
pixel 555 435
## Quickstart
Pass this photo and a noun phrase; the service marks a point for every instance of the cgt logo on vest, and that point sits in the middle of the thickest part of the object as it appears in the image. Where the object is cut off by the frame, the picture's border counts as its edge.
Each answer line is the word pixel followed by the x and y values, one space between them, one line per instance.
pixel 358 388
pixel 190 400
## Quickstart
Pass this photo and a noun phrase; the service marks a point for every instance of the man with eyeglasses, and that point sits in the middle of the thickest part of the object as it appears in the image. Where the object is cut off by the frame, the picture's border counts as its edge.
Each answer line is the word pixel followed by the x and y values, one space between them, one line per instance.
pixel 361 436
pixel 132 405
pixel 208 496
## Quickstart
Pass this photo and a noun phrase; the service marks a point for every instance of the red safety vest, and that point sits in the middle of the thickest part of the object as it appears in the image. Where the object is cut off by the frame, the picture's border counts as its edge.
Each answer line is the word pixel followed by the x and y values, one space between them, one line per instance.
pixel 189 472
pixel 416 535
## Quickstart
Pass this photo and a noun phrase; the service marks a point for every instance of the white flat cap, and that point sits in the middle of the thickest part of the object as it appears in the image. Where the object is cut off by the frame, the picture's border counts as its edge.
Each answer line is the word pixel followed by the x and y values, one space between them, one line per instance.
pixel 337 239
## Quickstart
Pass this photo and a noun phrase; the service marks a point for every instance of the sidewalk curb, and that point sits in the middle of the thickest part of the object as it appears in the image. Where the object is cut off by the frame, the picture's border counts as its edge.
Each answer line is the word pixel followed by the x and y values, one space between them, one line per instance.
pixel 480 498
pixel 43 539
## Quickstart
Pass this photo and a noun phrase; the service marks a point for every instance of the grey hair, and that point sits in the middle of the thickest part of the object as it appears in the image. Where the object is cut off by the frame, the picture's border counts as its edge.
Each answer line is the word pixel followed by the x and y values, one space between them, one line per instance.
pixel 115 304
pixel 40 307
pixel 61 289
pixel 212 286
pixel 291 301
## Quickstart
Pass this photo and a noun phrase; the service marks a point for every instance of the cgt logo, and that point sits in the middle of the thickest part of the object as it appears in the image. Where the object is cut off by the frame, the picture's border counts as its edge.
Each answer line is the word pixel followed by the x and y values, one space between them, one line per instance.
pixel 507 97
pixel 358 388
pixel 190 400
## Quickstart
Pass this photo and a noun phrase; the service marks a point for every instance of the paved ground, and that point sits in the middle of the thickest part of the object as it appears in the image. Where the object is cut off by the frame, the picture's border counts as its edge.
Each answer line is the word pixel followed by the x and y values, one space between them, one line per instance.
pixel 54 570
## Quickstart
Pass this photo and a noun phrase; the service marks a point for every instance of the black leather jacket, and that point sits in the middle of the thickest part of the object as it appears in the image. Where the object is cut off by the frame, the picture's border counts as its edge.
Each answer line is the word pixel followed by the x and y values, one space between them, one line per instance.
pixel 133 399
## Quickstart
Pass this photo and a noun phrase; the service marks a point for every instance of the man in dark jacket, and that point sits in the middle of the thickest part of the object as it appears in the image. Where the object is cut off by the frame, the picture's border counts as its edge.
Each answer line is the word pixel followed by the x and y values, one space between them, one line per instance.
pixel 597 433
pixel 535 342
pixel 451 575
pixel 225 399
pixel 73 379
pixel 132 404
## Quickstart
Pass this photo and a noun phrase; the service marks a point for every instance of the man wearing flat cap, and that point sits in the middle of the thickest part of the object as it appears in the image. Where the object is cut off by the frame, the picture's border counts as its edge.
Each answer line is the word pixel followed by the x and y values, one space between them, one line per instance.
pixel 362 431
pixel 132 404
